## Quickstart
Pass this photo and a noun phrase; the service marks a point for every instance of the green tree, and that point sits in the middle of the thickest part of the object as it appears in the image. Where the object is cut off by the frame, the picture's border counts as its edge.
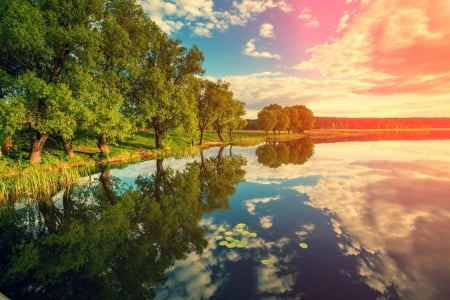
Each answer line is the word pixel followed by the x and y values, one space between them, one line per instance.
pixel 164 90
pixel 301 118
pixel 266 120
pixel 42 44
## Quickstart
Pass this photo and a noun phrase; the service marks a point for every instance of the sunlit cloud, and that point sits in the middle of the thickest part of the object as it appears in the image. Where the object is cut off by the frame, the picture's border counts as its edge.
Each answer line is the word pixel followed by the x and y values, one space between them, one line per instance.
pixel 250 50
pixel 201 17
pixel 267 31
pixel 307 18
pixel 381 44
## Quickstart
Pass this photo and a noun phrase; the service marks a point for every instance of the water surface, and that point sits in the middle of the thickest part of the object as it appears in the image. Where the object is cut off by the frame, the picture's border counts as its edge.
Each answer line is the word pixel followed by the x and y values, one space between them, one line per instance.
pixel 357 220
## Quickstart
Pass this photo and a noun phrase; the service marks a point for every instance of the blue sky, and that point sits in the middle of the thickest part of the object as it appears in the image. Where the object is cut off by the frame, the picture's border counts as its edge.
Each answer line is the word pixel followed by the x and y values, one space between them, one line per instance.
pixel 354 58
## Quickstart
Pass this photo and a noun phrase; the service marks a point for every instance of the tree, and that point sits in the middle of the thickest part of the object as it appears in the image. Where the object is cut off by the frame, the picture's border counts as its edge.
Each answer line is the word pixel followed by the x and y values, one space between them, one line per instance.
pixel 236 121
pixel 301 117
pixel 266 120
pixel 163 92
pixel 42 43
pixel 210 103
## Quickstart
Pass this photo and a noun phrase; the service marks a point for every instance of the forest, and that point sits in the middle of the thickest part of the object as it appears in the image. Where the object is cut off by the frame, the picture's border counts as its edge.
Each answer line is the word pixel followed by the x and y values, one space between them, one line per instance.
pixel 101 70
pixel 380 123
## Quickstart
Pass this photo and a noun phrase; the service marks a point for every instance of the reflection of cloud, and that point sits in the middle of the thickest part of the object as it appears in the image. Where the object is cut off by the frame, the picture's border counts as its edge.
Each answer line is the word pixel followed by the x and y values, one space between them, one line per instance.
pixel 304 231
pixel 251 204
pixel 266 222
pixel 270 280
pixel 392 215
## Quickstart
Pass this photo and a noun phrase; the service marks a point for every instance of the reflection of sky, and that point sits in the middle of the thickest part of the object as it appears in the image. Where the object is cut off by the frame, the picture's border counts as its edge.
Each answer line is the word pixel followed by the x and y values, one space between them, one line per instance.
pixel 387 205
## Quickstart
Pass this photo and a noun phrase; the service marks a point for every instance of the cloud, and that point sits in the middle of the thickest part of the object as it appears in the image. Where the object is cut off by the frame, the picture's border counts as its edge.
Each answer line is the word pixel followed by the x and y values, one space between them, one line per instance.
pixel 266 30
pixel 400 47
pixel 201 17
pixel 308 19
pixel 343 22
pixel 250 50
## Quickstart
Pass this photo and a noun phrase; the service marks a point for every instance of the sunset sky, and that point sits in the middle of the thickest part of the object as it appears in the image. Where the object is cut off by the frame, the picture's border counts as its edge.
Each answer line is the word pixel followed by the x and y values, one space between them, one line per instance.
pixel 352 58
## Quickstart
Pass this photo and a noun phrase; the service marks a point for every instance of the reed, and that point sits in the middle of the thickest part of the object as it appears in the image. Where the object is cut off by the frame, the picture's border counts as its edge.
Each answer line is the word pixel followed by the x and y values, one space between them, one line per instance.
pixel 39 182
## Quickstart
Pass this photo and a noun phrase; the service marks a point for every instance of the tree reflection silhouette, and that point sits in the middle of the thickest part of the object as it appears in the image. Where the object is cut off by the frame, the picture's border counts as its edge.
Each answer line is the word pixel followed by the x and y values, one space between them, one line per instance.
pixel 275 154
pixel 110 241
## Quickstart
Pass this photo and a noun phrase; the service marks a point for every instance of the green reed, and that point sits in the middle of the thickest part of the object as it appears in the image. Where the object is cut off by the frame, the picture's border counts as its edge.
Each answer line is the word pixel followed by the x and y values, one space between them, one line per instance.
pixel 39 182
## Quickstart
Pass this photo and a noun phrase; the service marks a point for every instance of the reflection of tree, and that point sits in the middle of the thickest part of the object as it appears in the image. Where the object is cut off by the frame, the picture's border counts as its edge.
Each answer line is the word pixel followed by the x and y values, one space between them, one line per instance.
pixel 218 176
pixel 274 154
pixel 109 241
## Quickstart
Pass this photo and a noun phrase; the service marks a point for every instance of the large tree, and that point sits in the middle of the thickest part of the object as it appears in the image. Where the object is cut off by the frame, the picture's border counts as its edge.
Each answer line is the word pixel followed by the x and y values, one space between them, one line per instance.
pixel 163 92
pixel 42 43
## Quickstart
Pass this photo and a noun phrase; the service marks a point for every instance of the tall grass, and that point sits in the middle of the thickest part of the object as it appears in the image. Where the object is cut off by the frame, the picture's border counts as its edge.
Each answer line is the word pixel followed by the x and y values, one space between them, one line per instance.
pixel 38 182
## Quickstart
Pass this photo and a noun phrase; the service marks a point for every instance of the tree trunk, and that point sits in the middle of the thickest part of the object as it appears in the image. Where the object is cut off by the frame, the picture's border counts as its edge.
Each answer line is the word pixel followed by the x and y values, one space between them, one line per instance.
pixel 1 154
pixel 68 149
pixel 37 144
pixel 102 144
pixel 202 133
pixel 219 134
pixel 158 133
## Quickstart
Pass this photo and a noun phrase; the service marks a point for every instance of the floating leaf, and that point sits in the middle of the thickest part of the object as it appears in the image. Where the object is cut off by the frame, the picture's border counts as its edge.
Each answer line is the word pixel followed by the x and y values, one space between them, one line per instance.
pixel 240 226
pixel 229 238
pixel 303 245
pixel 228 233
pixel 242 244
pixel 266 262
pixel 231 245
pixel 219 237
pixel 221 229
pixel 252 234
pixel 223 243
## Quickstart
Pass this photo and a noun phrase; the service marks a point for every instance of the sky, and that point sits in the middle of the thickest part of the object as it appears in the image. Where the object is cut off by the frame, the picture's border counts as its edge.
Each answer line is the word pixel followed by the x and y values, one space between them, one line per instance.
pixel 342 58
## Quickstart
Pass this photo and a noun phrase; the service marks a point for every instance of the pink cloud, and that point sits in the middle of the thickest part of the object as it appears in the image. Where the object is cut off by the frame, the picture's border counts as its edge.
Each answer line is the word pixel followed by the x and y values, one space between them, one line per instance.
pixel 398 46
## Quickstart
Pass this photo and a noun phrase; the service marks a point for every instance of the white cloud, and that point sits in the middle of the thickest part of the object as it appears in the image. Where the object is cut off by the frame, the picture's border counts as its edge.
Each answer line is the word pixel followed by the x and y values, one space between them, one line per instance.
pixel 308 19
pixel 267 30
pixel 172 16
pixel 250 50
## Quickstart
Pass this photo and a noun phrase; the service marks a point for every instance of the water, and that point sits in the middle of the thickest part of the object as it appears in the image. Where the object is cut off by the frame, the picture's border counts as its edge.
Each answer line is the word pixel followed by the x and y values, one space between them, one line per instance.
pixel 359 220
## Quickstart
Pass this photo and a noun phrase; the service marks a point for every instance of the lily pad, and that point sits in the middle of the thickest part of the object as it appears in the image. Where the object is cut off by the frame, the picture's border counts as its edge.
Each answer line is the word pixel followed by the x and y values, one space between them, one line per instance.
pixel 228 233
pixel 229 238
pixel 242 244
pixel 219 237
pixel 240 226
pixel 223 243
pixel 231 245
pixel 252 234
pixel 266 262
pixel 303 245
pixel 221 229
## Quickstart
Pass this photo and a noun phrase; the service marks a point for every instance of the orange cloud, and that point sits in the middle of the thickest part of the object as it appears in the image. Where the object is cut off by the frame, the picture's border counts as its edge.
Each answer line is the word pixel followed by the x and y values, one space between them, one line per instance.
pixel 398 46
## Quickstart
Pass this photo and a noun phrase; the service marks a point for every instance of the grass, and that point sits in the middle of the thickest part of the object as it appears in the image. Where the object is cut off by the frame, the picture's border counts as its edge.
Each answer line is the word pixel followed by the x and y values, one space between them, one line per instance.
pixel 18 178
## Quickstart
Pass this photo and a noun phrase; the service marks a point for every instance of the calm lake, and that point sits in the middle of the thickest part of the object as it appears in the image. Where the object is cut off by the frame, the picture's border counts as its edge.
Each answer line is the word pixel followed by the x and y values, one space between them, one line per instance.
pixel 293 220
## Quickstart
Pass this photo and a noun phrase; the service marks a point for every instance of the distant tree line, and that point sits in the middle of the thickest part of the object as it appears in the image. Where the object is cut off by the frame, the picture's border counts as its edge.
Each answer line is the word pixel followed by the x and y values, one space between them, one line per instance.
pixel 380 123
pixel 100 69
pixel 276 118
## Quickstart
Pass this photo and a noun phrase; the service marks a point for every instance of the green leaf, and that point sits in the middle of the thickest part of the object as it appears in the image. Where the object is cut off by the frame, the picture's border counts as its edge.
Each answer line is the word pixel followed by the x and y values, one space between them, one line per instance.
pixel 303 245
